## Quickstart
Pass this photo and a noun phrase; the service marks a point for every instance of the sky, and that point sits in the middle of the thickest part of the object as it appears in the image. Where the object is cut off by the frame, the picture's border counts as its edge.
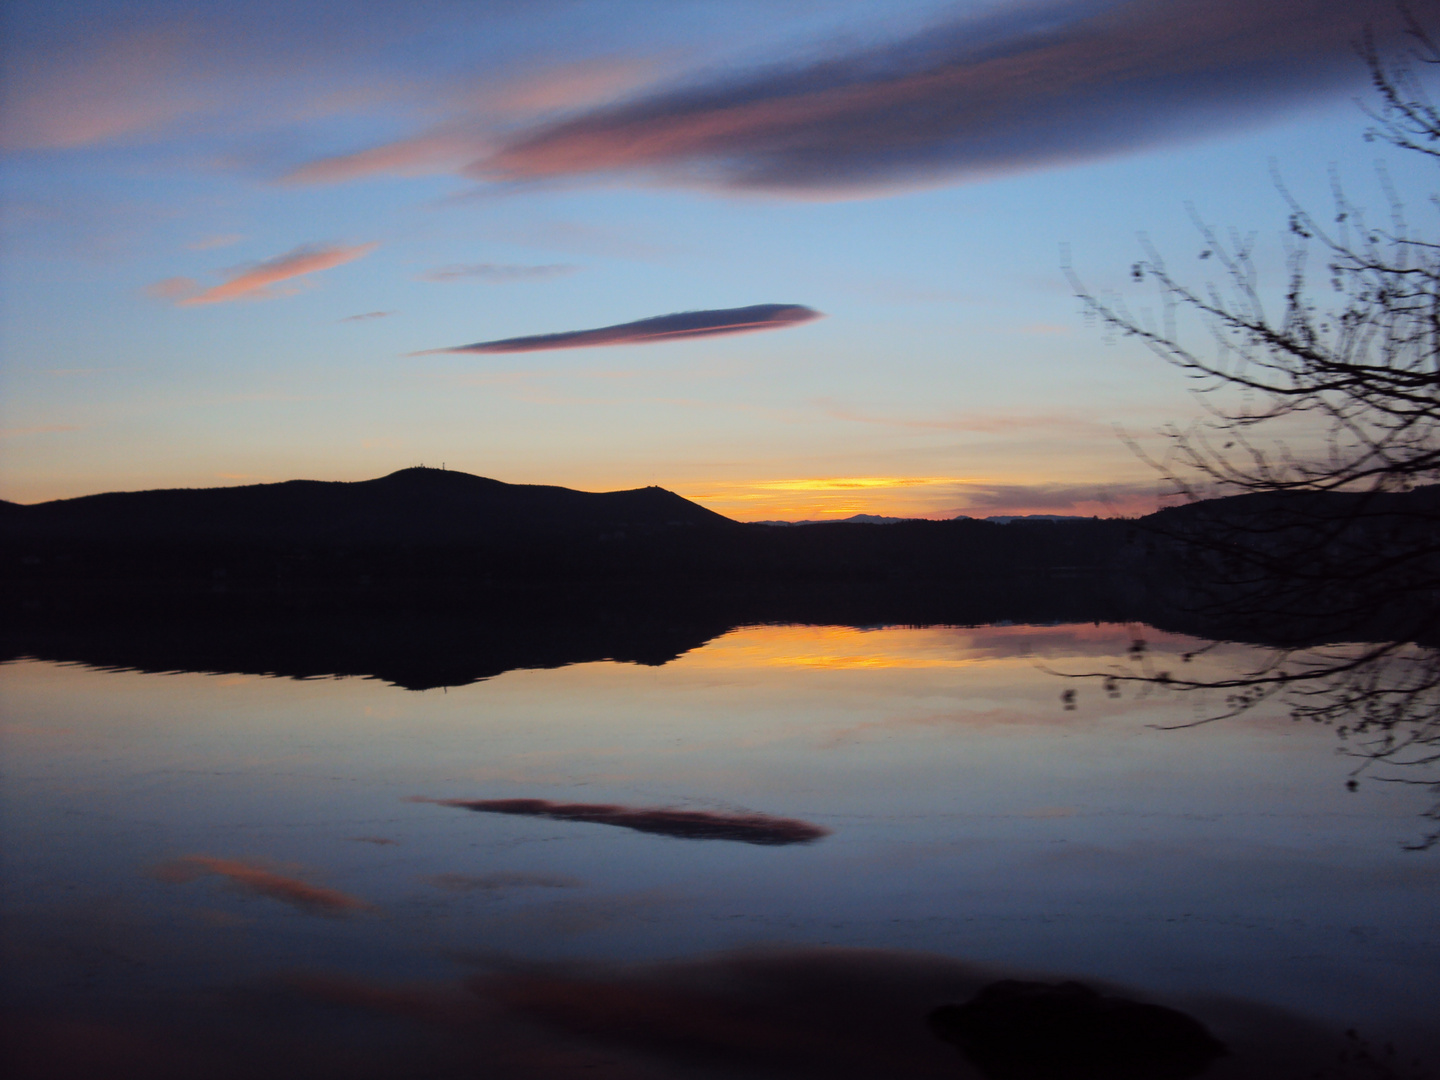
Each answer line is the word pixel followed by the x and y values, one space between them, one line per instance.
pixel 792 259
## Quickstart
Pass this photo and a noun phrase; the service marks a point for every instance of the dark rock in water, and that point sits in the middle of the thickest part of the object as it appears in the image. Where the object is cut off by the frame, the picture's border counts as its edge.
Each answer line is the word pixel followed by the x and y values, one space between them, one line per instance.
pixel 1015 1030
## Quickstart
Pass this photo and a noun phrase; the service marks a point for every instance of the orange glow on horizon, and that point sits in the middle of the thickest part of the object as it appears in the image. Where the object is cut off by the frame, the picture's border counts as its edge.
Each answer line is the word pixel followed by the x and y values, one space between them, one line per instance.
pixel 932 497
pixel 851 483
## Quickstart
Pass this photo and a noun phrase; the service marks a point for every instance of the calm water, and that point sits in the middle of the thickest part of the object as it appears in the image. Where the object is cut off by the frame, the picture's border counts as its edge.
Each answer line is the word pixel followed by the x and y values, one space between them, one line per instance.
pixel 232 874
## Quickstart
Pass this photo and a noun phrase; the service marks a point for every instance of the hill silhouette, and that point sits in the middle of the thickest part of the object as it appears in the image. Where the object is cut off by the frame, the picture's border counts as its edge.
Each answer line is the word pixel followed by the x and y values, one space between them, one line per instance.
pixel 448 528
pixel 414 506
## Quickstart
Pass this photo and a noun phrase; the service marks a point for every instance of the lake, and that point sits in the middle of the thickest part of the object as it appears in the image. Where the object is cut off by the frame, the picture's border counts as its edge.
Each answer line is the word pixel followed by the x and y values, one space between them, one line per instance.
pixel 772 855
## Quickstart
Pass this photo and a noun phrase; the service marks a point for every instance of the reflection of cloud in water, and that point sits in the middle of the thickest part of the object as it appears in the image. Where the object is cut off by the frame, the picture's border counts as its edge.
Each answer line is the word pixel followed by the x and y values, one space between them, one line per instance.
pixel 952 718
pixel 807 1013
pixel 664 821
pixel 500 881
pixel 257 880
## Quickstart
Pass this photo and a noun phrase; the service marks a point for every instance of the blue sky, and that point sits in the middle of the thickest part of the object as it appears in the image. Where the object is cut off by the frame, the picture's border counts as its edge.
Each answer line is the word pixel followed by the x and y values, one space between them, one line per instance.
pixel 241 236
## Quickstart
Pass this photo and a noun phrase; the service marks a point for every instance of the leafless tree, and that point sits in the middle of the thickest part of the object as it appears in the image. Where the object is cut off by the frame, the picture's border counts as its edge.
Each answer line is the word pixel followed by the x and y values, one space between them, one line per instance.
pixel 1325 418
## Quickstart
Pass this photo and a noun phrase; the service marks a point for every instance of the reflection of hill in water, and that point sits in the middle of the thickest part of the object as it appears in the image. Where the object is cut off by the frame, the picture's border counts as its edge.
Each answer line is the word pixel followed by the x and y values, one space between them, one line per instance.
pixel 420 641
pixel 428 578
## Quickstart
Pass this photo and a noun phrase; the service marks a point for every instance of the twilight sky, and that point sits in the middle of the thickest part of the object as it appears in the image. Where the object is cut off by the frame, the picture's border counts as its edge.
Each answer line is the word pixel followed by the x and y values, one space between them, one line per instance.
pixel 789 258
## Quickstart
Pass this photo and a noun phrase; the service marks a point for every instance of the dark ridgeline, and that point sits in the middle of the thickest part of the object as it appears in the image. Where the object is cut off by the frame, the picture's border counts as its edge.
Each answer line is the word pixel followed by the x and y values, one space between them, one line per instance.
pixel 412 506
pixel 430 578
pixel 436 526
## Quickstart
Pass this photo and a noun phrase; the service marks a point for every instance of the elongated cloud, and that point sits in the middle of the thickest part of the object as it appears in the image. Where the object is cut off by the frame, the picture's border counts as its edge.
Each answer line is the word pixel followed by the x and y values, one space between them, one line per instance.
pixel 497 273
pixel 542 91
pixel 248 877
pixel 1123 497
pixel 684 824
pixel 1014 88
pixel 683 324
pixel 258 282
pixel 501 881
pixel 36 429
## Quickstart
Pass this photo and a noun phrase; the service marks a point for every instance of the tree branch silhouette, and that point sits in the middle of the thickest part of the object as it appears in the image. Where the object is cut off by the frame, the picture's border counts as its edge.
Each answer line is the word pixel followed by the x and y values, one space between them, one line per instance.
pixel 1331 546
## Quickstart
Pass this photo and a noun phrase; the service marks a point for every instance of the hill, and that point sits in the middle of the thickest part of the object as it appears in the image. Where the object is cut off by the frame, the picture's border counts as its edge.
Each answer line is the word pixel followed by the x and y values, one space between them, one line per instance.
pixel 413 506
pixel 453 529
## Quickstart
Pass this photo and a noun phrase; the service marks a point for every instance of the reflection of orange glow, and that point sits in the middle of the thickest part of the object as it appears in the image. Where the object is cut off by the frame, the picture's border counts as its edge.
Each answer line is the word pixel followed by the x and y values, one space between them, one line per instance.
pixel 849 648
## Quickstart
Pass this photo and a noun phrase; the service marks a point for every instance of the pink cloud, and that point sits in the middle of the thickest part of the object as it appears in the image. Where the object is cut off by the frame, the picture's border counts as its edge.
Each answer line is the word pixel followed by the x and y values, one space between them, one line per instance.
pixel 173 289
pixel 436 152
pixel 256 283
pixel 126 76
pixel 470 133
pixel 1019 86
pixel 581 83
pixel 135 84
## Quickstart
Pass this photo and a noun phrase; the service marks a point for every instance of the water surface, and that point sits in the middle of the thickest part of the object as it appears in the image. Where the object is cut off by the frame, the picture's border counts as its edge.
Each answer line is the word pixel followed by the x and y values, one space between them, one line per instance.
pixel 340 876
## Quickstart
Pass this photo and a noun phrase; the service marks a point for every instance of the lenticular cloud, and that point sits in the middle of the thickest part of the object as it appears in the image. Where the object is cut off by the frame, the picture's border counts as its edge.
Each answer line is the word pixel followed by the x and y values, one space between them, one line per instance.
pixel 683 324
pixel 1014 87
pixel 682 824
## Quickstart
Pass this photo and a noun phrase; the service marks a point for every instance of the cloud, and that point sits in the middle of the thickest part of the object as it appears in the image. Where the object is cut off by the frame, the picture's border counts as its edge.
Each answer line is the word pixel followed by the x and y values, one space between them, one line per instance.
pixel 500 881
pixel 497 272
pixel 684 824
pixel 845 1014
pixel 367 315
pixel 1017 87
pixel 37 429
pixel 981 422
pixel 854 483
pixel 449 146
pixel 579 238
pixel 683 324
pixel 173 289
pixel 255 283
pixel 1064 498
pixel 134 84
pixel 935 497
pixel 312 899
pixel 419 156
pixel 118 75
pixel 217 241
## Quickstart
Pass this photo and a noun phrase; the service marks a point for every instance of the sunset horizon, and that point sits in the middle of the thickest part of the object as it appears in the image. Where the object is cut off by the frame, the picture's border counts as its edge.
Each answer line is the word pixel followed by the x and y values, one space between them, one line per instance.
pixel 280 261
pixel 720 540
